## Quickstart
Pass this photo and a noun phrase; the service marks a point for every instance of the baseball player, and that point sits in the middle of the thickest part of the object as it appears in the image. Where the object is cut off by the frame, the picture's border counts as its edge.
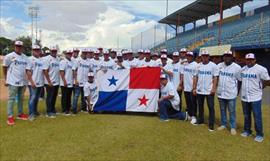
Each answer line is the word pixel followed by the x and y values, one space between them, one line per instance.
pixel 148 62
pixel 133 63
pixel 187 76
pixel 121 64
pixel 66 81
pixel 82 67
pixel 166 68
pixel 14 65
pixel 96 61
pixel 107 63
pixel 34 71
pixel 205 87
pixel 52 79
pixel 227 90
pixel 254 78
pixel 90 92
pixel 140 57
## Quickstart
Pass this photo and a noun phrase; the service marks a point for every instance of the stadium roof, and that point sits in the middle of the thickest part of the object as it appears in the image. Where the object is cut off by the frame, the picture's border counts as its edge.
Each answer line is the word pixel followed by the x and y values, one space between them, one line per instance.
pixel 198 10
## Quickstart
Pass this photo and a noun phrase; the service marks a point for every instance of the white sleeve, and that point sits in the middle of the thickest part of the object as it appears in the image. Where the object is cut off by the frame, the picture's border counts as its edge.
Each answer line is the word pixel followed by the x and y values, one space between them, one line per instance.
pixel 45 64
pixel 62 65
pixel 171 90
pixel 29 65
pixel 7 60
pixel 264 74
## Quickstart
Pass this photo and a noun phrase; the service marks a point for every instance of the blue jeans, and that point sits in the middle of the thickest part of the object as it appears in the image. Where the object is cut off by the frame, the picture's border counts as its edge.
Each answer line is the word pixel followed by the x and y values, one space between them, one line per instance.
pixel 33 100
pixel 14 92
pixel 231 105
pixel 167 111
pixel 77 91
pixel 257 114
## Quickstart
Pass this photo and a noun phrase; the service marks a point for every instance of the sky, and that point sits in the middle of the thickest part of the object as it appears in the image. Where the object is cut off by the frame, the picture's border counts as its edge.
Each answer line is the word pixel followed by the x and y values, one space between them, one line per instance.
pixel 96 23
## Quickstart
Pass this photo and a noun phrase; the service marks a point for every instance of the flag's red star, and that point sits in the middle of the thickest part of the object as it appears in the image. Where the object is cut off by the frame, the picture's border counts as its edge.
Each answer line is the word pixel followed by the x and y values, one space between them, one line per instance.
pixel 143 100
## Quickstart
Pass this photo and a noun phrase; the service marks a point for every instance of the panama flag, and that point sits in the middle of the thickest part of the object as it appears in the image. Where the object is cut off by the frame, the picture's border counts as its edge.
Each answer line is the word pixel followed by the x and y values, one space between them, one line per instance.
pixel 135 89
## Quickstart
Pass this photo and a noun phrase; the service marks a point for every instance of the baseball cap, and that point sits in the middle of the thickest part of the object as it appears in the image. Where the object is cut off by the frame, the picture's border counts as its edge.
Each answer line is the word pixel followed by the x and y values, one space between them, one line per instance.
pixel 47 52
pixel 163 76
pixel 129 51
pixel 250 56
pixel 183 50
pixel 35 47
pixel 140 51
pixel 204 52
pixel 53 48
pixel 96 52
pixel 76 49
pixel 164 51
pixel 18 43
pixel 227 53
pixel 155 54
pixel 163 56
pixel 190 53
pixel 175 53
pixel 147 51
pixel 84 50
pixel 69 51
pixel 105 52
pixel 90 74
pixel 119 54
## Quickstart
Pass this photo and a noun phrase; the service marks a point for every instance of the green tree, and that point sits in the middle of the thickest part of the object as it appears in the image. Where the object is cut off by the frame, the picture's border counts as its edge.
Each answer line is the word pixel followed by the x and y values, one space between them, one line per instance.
pixel 5 45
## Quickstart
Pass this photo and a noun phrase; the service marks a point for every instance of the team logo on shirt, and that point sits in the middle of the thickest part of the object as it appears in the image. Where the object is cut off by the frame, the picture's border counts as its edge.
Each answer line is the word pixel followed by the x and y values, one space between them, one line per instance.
pixel 248 75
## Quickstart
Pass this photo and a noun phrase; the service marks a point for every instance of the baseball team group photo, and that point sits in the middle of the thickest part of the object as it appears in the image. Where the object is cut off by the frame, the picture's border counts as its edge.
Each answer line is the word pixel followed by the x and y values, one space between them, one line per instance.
pixel 105 80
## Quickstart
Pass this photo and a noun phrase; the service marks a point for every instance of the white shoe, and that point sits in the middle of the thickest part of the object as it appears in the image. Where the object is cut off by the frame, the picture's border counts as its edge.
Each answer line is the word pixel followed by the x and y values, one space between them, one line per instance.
pixel 211 130
pixel 193 120
pixel 233 132
pixel 221 128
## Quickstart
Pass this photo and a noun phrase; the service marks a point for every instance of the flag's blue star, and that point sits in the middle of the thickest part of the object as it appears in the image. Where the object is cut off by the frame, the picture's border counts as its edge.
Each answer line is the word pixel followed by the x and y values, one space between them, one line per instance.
pixel 112 81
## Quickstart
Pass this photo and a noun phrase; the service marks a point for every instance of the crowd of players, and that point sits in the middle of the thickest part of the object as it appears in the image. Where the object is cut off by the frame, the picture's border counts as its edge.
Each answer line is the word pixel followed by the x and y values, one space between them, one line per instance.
pixel 181 75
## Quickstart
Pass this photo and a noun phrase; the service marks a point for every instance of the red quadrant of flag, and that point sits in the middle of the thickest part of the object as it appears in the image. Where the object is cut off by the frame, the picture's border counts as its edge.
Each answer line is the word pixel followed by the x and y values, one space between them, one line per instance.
pixel 144 78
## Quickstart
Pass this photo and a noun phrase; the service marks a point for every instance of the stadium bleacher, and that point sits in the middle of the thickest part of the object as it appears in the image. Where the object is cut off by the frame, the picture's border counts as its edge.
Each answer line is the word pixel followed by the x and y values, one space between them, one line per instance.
pixel 251 31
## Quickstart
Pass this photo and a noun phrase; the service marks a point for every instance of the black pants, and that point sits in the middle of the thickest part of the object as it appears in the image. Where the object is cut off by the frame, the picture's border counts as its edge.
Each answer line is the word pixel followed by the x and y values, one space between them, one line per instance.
pixel 66 99
pixel 51 98
pixel 191 102
pixel 210 104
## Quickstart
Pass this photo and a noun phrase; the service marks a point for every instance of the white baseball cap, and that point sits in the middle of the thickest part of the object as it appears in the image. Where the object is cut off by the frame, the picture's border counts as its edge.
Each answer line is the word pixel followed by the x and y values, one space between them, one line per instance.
pixel 164 51
pixel 163 76
pixel 204 52
pixel 69 51
pixel 147 51
pixel 76 49
pixel 90 74
pixel 53 48
pixel 119 54
pixel 96 52
pixel 47 52
pixel 84 50
pixel 113 51
pixel 35 47
pixel 140 51
pixel 183 50
pixel 250 56
pixel 18 43
pixel 155 54
pixel 105 52
pixel 227 53
pixel 129 51
pixel 190 53
pixel 175 53
pixel 163 56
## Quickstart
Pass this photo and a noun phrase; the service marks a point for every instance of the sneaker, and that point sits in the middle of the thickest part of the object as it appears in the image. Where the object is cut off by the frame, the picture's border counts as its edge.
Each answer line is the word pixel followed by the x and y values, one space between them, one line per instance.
pixel 31 118
pixel 67 114
pixel 10 120
pixel 233 131
pixel 245 134
pixel 222 127
pixel 84 111
pixel 164 120
pixel 258 139
pixel 211 130
pixel 198 123
pixel 51 116
pixel 193 120
pixel 22 117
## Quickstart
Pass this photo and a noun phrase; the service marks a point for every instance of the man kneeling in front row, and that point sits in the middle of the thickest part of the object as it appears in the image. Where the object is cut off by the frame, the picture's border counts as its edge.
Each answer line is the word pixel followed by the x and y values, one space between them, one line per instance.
pixel 169 102
pixel 90 92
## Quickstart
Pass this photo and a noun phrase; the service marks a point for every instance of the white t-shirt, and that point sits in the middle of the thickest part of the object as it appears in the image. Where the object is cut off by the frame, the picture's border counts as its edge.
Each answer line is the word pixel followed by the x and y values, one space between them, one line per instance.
pixel 228 80
pixel 150 63
pixel 124 64
pixel 168 67
pixel 205 74
pixel 189 71
pixel 140 62
pixel 83 67
pixel 67 66
pixel 16 74
pixel 169 61
pixel 177 70
pixel 96 65
pixel 35 65
pixel 251 78
pixel 52 64
pixel 90 89
pixel 132 63
pixel 106 65
pixel 169 89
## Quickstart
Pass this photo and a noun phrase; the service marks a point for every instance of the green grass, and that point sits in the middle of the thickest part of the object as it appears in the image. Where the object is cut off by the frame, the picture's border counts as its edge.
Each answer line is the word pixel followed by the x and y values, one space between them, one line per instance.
pixel 125 137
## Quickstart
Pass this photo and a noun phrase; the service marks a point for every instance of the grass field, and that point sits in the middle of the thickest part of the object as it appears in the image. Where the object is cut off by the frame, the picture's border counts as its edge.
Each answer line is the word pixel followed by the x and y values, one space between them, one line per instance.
pixel 125 137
